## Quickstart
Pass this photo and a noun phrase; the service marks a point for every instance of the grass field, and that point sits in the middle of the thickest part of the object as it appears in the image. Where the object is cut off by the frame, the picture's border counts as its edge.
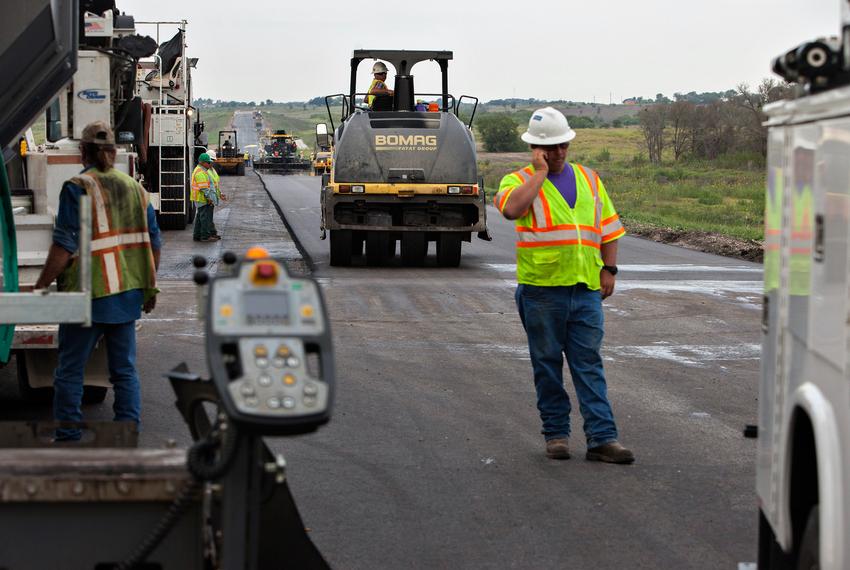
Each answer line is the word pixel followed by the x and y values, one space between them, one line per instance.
pixel 725 196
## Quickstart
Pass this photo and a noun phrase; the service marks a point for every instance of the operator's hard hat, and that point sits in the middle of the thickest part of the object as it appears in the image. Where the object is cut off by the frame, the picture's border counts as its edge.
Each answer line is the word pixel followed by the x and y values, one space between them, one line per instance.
pixel 548 126
pixel 98 132
pixel 379 67
pixel 204 158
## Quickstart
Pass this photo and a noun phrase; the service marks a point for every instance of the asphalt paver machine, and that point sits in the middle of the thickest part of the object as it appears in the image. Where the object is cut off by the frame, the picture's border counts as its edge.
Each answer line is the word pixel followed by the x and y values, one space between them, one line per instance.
pixel 400 174
pixel 279 154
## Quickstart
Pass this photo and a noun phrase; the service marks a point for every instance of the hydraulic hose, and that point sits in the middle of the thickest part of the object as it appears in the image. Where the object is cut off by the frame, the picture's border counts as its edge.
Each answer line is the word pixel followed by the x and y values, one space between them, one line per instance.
pixel 204 466
pixel 10 255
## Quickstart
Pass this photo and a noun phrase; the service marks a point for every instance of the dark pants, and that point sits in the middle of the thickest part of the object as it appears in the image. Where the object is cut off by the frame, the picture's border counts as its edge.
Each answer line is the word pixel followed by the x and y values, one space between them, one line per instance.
pixel 76 344
pixel 567 321
pixel 203 222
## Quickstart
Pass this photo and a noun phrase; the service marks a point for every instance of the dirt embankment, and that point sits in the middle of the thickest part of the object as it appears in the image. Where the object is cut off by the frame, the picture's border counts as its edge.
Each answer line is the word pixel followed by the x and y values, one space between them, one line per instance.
pixel 718 244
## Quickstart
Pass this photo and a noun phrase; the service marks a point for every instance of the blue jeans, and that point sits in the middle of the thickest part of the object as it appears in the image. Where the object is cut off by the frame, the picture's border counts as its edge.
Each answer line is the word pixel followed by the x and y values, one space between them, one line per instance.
pixel 567 321
pixel 75 346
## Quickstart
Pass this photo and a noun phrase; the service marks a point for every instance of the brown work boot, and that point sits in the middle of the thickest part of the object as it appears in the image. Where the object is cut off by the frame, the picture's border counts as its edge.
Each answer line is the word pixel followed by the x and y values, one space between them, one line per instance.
pixel 612 452
pixel 558 448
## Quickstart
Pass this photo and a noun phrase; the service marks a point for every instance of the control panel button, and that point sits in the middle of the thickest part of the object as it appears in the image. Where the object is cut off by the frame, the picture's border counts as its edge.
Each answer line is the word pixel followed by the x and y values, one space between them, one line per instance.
pixel 264 380
pixel 252 402
pixel 307 311
pixel 279 362
pixel 273 403
pixel 247 390
pixel 311 389
pixel 309 401
pixel 288 403
pixel 226 310
pixel 283 351
pixel 293 362
pixel 260 351
pixel 263 362
pixel 289 379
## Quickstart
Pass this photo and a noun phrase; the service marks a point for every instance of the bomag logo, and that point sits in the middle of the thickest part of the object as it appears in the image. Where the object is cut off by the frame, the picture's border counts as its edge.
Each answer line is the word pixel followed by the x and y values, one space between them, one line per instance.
pixel 406 142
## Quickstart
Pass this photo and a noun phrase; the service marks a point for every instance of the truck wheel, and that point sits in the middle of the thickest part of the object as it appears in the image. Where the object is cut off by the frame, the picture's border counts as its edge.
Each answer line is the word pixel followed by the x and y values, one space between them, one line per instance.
pixel 414 248
pixel 94 394
pixel 448 249
pixel 377 247
pixel 770 554
pixel 27 392
pixel 240 170
pixel 810 544
pixel 340 248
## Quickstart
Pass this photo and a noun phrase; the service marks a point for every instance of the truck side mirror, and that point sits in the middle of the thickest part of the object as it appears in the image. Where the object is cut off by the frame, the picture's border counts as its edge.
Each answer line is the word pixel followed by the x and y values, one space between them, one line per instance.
pixel 323 138
pixel 54 121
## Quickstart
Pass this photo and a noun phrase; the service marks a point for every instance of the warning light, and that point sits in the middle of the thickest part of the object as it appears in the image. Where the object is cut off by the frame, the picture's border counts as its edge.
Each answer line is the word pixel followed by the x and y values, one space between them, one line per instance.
pixel 257 252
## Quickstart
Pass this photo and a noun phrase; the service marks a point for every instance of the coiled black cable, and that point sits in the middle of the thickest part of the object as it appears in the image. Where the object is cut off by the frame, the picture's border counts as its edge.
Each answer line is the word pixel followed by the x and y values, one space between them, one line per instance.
pixel 204 466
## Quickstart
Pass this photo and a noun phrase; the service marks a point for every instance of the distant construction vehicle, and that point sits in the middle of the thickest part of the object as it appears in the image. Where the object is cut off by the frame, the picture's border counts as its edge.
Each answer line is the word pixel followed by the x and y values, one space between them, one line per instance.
pixel 229 159
pixel 279 154
pixel 399 174
pixel 323 157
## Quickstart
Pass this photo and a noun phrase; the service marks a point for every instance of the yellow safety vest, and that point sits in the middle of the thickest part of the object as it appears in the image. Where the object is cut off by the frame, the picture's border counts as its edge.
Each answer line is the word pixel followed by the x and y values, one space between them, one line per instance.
pixel 201 180
pixel 371 98
pixel 558 245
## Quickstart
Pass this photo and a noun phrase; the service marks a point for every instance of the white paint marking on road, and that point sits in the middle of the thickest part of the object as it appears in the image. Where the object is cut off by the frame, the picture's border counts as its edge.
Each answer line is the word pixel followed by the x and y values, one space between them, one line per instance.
pixel 709 287
pixel 651 268
pixel 697 355
pixel 488 461
pixel 747 566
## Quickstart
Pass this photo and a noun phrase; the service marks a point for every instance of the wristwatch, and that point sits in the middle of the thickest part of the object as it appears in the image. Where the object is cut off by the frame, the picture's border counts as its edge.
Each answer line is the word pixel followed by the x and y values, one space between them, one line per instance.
pixel 612 269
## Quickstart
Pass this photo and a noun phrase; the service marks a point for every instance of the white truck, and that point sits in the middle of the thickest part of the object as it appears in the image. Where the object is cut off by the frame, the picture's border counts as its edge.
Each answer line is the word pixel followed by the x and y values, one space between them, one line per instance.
pixel 803 468
pixel 118 81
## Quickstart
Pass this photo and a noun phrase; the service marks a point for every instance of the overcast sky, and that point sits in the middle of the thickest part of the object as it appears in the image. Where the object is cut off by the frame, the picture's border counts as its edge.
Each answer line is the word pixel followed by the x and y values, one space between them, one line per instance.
pixel 568 49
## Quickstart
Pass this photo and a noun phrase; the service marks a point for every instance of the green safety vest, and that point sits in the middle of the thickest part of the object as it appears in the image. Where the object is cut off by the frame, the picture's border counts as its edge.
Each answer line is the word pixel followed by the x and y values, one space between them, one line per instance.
pixel 558 245
pixel 216 180
pixel 122 258
pixel 201 180
pixel 773 229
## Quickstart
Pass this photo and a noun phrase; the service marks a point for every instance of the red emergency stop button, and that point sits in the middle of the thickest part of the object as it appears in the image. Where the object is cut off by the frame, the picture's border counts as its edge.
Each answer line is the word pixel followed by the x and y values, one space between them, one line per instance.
pixel 265 273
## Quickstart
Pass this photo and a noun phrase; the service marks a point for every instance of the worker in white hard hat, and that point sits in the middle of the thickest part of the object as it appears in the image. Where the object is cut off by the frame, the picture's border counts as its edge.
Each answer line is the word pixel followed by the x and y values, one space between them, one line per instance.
pixel 379 83
pixel 567 232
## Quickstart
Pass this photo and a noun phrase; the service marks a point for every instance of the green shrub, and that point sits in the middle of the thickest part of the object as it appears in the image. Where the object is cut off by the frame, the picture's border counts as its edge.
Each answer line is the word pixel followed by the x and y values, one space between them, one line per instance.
pixel 499 133
pixel 603 156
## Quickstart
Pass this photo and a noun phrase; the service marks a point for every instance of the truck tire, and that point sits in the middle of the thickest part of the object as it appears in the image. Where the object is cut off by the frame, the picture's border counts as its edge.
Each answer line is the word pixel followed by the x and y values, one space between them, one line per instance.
pixel 27 392
pixel 809 558
pixel 448 249
pixel 377 247
pixel 340 248
pixel 770 554
pixel 414 248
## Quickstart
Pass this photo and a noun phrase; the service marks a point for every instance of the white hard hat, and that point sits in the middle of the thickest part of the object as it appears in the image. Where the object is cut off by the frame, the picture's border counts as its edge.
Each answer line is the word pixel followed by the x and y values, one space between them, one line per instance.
pixel 548 126
pixel 379 67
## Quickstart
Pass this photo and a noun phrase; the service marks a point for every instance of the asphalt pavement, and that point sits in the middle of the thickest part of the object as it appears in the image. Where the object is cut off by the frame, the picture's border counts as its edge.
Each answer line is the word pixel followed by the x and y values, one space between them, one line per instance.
pixel 434 457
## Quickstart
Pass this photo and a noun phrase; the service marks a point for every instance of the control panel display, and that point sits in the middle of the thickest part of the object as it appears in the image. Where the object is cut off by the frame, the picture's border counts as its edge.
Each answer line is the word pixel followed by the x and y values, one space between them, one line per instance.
pixel 266 308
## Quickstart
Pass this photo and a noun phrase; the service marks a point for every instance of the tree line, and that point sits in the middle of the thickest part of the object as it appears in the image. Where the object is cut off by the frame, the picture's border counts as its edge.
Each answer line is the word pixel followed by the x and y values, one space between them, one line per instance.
pixel 729 124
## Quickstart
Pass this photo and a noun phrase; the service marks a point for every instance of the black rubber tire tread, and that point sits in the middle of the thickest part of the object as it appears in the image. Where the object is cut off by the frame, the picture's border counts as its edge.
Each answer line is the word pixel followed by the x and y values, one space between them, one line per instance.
pixel 94 394
pixel 27 392
pixel 340 248
pixel 809 558
pixel 377 248
pixel 414 249
pixel 449 249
